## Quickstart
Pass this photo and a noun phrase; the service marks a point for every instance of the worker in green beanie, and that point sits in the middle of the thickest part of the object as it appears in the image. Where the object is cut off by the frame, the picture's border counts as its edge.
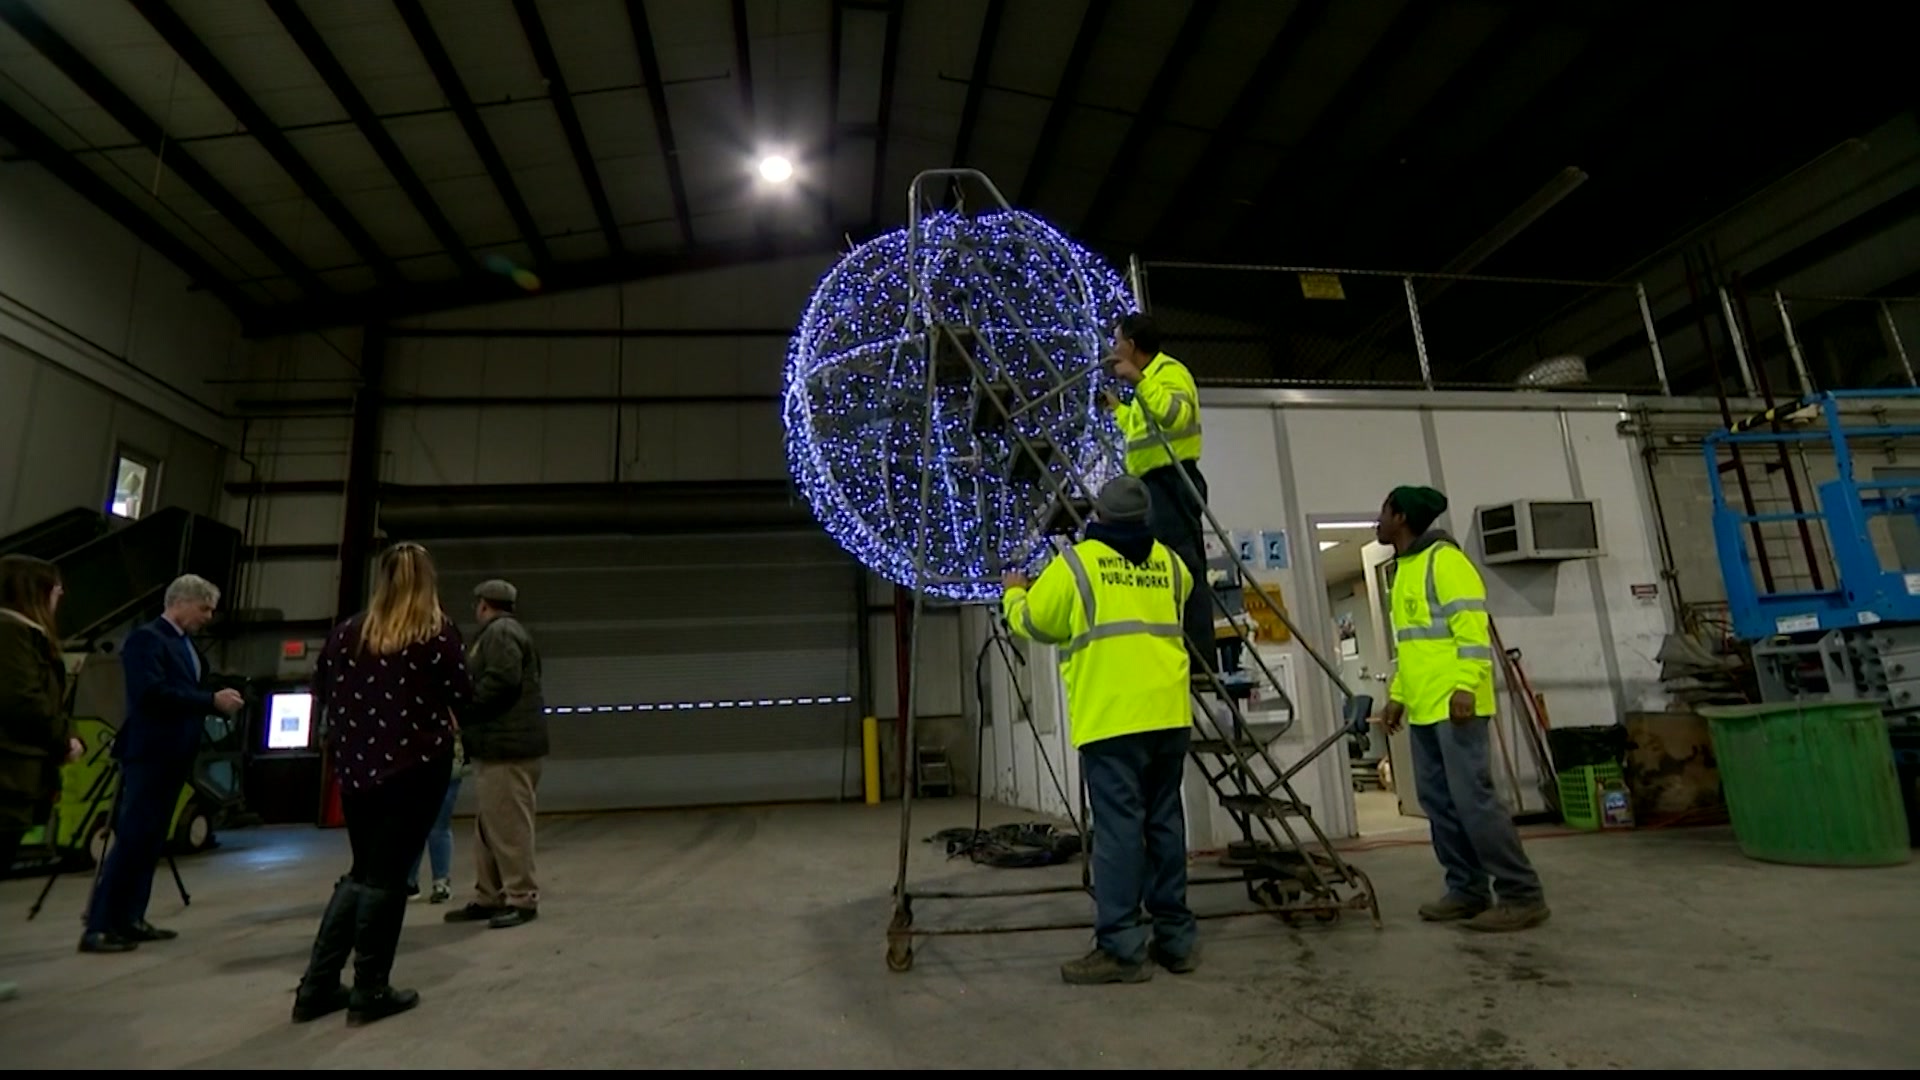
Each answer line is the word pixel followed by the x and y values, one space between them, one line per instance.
pixel 1443 688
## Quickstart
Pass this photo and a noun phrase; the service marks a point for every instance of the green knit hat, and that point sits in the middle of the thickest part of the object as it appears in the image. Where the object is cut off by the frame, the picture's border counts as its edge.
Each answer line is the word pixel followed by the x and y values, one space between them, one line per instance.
pixel 1421 505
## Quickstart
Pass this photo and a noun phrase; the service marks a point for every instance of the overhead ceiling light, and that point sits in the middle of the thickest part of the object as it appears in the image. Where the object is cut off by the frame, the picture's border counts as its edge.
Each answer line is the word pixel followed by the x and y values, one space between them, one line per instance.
pixel 1345 525
pixel 1325 544
pixel 775 169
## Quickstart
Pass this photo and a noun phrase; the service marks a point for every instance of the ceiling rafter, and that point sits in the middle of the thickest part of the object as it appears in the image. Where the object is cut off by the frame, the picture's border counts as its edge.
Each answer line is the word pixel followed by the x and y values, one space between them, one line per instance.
pixel 455 91
pixel 37 146
pixel 977 81
pixel 1287 45
pixel 649 58
pixel 27 22
pixel 545 59
pixel 426 297
pixel 189 47
pixel 1046 148
pixel 889 71
pixel 1311 156
pixel 311 45
pixel 1175 64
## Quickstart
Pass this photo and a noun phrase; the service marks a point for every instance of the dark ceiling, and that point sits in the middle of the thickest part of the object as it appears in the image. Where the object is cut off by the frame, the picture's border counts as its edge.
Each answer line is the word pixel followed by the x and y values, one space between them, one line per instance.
pixel 323 162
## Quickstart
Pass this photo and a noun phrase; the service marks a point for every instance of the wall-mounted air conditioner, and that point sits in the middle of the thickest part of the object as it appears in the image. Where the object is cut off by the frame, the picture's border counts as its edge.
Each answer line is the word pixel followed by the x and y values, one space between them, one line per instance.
pixel 1539 530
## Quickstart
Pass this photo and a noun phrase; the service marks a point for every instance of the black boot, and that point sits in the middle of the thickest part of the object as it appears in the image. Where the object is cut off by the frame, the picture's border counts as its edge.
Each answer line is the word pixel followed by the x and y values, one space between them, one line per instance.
pixel 320 992
pixel 382 912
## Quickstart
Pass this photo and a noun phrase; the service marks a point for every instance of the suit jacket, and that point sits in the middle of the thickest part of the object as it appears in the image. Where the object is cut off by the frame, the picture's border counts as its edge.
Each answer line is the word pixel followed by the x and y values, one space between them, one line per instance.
pixel 166 708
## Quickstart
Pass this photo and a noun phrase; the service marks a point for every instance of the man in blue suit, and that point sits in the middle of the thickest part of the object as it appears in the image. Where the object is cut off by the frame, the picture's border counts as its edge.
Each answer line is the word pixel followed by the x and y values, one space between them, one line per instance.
pixel 156 747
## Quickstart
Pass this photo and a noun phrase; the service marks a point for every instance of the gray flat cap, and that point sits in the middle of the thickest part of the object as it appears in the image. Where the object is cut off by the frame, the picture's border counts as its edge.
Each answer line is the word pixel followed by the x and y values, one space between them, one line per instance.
pixel 496 592
pixel 1122 500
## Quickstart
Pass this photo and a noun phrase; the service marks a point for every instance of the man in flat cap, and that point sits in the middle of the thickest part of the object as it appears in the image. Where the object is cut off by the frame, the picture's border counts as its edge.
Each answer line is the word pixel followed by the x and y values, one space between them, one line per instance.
pixel 505 735
pixel 1443 687
pixel 1112 603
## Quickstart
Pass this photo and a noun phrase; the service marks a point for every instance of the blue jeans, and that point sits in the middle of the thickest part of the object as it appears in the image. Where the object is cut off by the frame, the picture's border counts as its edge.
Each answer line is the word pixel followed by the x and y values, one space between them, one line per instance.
pixel 149 790
pixel 439 842
pixel 1139 843
pixel 1473 836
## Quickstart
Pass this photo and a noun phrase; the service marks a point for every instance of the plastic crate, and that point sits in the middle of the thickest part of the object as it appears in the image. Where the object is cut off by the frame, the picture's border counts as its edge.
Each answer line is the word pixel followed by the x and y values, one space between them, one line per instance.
pixel 1580 793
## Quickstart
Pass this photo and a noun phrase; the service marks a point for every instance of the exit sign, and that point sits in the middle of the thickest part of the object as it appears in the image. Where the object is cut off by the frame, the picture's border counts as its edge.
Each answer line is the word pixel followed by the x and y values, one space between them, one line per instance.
pixel 293 650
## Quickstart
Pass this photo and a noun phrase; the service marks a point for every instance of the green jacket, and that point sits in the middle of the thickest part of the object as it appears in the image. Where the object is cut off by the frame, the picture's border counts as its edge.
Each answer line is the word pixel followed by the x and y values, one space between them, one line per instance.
pixel 34 727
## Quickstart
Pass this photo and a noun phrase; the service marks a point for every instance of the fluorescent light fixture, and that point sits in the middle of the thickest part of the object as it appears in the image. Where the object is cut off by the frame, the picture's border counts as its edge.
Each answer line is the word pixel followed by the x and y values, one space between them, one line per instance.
pixel 1325 544
pixel 775 169
pixel 1345 525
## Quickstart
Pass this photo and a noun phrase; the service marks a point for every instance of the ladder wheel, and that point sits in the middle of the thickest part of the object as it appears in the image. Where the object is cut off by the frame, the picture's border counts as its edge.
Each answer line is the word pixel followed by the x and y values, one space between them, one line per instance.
pixel 899 956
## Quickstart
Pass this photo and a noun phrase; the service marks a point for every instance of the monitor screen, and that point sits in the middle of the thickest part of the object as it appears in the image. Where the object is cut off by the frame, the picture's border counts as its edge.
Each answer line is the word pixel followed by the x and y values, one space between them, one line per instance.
pixel 289 721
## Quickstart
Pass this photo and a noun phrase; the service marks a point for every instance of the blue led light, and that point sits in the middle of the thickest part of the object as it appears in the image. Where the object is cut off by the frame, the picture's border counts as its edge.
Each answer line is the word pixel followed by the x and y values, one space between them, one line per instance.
pixel 1041 310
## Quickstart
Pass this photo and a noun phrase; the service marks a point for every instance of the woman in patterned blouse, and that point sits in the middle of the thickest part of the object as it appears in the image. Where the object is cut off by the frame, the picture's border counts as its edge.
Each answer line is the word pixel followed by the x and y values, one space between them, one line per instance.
pixel 390 684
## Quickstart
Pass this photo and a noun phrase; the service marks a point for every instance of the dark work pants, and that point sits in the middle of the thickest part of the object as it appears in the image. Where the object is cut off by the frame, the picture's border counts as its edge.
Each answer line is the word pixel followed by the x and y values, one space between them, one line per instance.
pixel 1139 843
pixel 1473 835
pixel 149 790
pixel 1176 520
pixel 387 824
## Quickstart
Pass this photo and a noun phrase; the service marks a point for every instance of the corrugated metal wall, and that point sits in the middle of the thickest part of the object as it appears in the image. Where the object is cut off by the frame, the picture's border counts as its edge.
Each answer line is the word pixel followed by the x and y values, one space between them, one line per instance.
pixel 684 670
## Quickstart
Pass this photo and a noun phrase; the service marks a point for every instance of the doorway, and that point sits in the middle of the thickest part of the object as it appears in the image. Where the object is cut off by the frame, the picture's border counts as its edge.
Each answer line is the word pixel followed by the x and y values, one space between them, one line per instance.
pixel 1352 569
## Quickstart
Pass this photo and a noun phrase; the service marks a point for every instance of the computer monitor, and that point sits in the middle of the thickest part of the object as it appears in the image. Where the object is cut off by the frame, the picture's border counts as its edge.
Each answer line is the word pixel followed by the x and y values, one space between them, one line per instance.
pixel 289 719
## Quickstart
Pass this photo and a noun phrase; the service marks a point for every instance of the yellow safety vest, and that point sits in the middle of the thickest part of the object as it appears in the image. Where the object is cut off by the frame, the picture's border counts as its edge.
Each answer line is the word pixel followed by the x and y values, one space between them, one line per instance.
pixel 1123 655
pixel 1168 399
pixel 1440 631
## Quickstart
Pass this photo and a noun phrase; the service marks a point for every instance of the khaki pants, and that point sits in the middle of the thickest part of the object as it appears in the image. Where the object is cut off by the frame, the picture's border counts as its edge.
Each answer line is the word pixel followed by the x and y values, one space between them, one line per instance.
pixel 503 833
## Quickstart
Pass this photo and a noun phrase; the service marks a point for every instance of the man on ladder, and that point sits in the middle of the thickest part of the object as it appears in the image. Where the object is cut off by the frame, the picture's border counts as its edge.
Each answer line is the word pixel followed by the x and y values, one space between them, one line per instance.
pixel 1443 686
pixel 1112 604
pixel 1165 398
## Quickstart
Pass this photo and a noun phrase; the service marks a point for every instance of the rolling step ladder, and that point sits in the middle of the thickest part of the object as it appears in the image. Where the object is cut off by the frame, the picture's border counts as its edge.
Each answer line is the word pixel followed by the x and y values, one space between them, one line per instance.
pixel 1281 870
pixel 1283 859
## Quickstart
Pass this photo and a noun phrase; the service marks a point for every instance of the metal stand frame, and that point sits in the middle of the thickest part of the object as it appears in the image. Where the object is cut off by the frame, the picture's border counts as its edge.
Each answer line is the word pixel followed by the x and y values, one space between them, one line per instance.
pixel 1281 875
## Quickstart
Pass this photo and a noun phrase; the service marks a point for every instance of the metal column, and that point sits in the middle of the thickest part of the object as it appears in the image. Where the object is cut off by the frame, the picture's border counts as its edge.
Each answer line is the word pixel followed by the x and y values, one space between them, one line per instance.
pixel 1653 339
pixel 1899 346
pixel 1739 345
pixel 1419 338
pixel 361 513
pixel 1793 345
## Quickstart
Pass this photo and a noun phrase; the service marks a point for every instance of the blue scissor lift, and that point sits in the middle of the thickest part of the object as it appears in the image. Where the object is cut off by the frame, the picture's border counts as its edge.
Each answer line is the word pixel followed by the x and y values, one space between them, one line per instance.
pixel 1858 640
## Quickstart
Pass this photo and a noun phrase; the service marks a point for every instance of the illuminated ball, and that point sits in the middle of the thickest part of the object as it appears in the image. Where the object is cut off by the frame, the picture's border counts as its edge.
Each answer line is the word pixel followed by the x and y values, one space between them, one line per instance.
pixel 1037 311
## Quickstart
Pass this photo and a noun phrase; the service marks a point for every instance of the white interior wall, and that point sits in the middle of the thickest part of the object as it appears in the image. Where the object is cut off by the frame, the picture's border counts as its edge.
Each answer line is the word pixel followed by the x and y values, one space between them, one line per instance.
pixel 102 343
pixel 1287 459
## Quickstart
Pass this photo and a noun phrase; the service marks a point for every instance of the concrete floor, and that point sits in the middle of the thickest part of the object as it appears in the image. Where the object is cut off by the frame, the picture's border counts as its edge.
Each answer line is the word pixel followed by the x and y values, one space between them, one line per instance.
pixel 754 938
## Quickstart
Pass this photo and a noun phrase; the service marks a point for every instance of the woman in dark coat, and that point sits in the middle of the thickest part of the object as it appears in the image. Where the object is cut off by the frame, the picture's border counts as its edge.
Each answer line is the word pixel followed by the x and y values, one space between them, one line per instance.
pixel 389 683
pixel 36 738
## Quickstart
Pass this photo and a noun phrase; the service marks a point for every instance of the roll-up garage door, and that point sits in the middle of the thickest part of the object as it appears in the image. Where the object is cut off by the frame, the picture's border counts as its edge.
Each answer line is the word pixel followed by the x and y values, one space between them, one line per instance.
pixel 683 671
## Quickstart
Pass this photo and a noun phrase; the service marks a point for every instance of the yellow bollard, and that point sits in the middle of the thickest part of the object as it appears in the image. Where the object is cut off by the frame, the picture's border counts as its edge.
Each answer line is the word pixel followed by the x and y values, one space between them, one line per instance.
pixel 870 758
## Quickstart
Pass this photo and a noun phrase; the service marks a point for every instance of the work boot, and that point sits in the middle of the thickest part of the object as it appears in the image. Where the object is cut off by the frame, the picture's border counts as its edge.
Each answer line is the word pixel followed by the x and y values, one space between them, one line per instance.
pixel 1507 917
pixel 379 917
pixel 1098 968
pixel 105 941
pixel 1452 908
pixel 146 931
pixel 512 917
pixel 320 992
pixel 474 913
pixel 1185 964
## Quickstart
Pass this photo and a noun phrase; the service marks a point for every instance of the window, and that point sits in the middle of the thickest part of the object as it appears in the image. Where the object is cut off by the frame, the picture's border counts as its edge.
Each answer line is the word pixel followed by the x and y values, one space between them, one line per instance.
pixel 133 478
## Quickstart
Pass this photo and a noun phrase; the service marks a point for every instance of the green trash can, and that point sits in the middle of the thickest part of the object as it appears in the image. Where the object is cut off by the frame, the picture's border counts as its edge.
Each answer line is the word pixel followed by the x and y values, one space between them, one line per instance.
pixel 1811 783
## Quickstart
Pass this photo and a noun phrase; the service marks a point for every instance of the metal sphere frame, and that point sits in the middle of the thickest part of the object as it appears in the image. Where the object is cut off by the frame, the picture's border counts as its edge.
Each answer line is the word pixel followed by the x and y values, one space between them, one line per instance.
pixel 942 396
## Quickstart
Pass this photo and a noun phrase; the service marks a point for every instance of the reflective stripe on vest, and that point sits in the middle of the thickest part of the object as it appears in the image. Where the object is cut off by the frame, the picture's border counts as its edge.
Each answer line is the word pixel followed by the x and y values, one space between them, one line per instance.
pixel 1095 631
pixel 1183 406
pixel 1437 613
